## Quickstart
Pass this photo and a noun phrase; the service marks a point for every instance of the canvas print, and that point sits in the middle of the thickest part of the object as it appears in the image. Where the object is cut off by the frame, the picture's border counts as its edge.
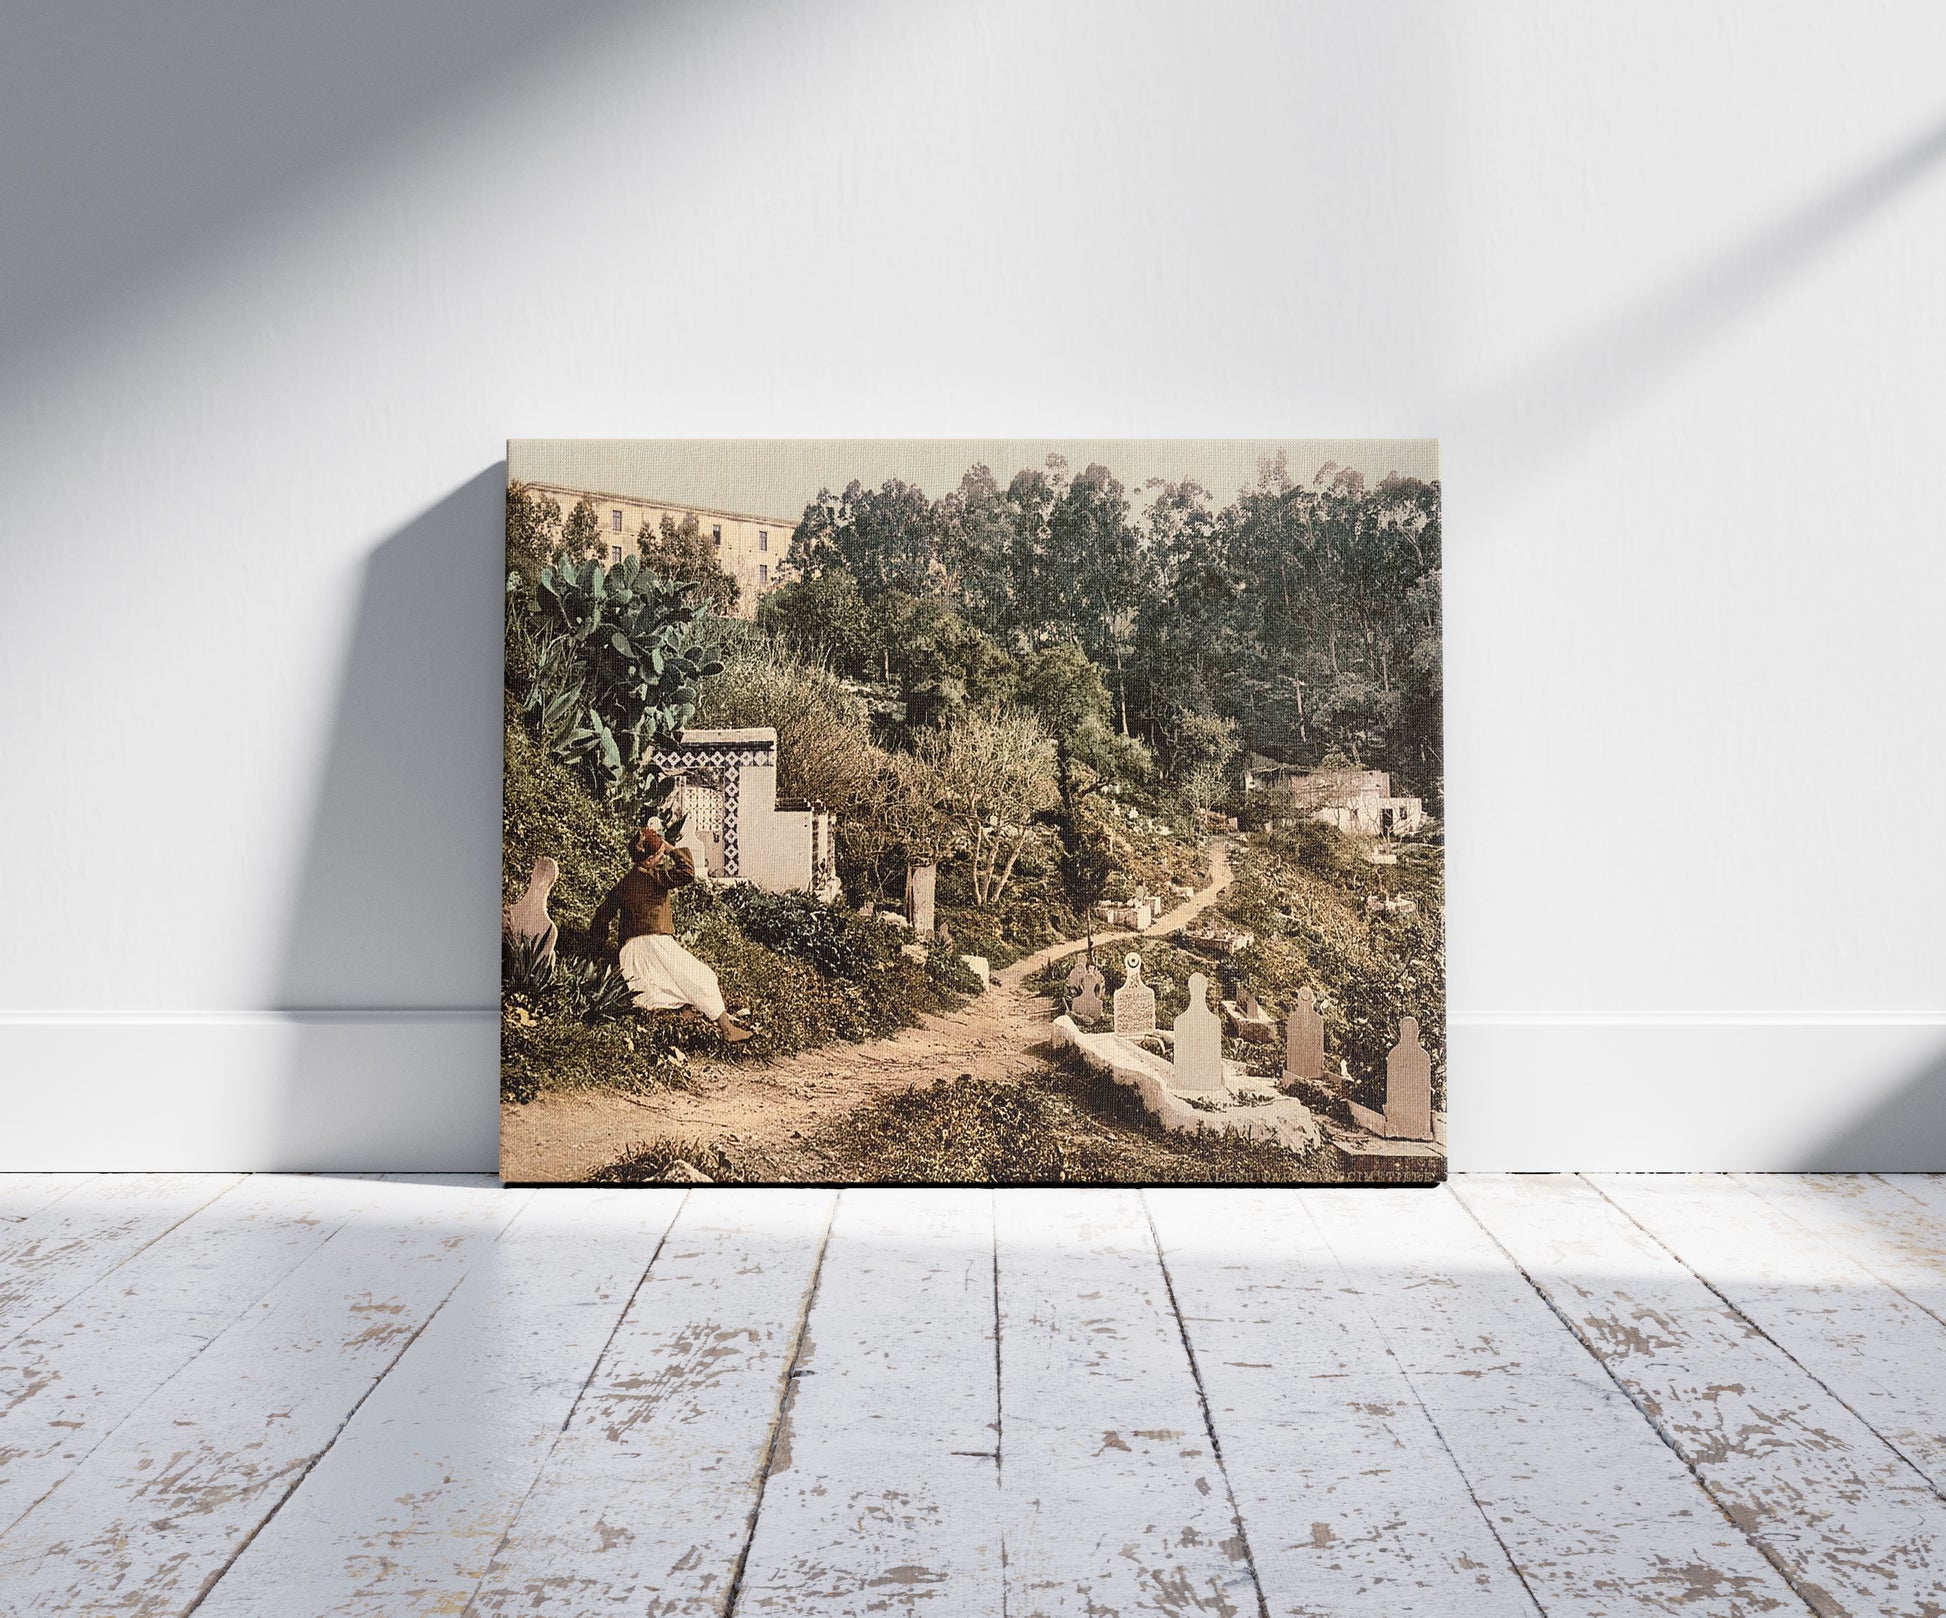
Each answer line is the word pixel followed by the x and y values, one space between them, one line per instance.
pixel 993 812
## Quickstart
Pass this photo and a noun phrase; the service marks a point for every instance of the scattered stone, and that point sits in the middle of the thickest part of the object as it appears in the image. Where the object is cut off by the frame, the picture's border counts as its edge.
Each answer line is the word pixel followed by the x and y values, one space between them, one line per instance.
pixel 681 1173
pixel 1215 938
pixel 1248 1020
pixel 914 952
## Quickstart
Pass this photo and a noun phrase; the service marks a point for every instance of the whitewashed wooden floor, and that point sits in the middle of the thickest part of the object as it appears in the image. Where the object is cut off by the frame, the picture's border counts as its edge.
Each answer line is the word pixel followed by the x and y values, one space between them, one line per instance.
pixel 1603 1395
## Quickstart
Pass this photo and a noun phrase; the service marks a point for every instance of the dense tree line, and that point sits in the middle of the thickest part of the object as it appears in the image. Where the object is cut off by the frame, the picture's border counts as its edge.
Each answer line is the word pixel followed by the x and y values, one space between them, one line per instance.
pixel 1302 619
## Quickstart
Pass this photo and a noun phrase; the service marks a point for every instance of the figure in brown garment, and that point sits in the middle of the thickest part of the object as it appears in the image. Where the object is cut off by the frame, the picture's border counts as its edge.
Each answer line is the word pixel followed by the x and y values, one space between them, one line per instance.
pixel 664 975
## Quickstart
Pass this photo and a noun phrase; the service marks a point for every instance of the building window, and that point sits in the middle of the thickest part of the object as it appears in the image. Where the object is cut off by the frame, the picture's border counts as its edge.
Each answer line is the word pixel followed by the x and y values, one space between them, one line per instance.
pixel 615 519
pixel 716 533
pixel 614 553
pixel 763 539
pixel 763 573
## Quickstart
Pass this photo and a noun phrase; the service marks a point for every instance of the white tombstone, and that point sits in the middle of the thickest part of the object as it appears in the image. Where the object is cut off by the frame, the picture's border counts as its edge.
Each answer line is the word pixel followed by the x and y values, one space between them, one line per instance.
pixel 920 883
pixel 1199 1043
pixel 1134 1001
pixel 1408 1086
pixel 1087 996
pixel 977 965
pixel 526 919
pixel 1304 1039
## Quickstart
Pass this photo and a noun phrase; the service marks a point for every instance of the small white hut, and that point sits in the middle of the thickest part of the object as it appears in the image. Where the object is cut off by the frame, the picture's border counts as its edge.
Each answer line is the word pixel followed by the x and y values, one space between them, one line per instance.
pixel 737 827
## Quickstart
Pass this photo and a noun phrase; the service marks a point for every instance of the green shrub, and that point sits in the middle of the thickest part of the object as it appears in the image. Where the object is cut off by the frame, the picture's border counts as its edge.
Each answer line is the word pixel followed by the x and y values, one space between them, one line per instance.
pixel 547 811
pixel 614 662
pixel 583 990
pixel 836 941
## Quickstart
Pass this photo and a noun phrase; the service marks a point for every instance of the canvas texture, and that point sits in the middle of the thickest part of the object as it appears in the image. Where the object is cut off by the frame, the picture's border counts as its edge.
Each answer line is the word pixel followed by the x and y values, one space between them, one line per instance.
pixel 992 812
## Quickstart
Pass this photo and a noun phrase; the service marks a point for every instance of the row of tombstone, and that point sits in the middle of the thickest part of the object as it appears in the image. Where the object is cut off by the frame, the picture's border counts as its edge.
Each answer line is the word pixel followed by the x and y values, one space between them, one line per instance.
pixel 1197 1053
pixel 1198 1049
pixel 1408 1071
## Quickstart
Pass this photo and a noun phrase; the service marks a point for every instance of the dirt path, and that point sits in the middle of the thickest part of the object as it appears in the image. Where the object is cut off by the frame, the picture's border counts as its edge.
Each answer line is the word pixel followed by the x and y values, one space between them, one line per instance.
pixel 1220 878
pixel 765 1113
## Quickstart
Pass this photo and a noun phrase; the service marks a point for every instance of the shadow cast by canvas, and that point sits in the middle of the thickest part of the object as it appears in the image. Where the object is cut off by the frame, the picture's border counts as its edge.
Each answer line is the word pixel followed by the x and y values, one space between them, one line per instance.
pixel 1905 1134
pixel 390 963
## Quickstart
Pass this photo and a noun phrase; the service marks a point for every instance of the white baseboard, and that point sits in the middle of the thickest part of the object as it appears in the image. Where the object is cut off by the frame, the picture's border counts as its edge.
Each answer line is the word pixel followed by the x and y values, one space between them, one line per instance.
pixel 250 1090
pixel 407 1090
pixel 1758 1092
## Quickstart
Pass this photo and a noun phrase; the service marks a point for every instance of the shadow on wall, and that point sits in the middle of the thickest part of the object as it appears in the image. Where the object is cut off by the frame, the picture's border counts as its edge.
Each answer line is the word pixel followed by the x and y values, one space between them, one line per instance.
pixel 1549 409
pixel 1906 1132
pixel 391 964
pixel 181 124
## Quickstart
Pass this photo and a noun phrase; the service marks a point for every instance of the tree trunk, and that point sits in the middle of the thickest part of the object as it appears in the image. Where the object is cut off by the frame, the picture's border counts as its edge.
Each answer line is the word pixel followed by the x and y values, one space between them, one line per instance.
pixel 1019 843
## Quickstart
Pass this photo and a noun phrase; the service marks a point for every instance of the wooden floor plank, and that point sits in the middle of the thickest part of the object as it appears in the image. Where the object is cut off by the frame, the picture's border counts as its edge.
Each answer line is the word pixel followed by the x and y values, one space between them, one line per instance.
pixel 884 1494
pixel 72 1378
pixel 1875 1350
pixel 63 1247
pixel 154 1514
pixel 645 1503
pixel 23 1194
pixel 1113 1499
pixel 1350 1501
pixel 1850 1522
pixel 1597 1513
pixel 403 1514
pixel 1894 1225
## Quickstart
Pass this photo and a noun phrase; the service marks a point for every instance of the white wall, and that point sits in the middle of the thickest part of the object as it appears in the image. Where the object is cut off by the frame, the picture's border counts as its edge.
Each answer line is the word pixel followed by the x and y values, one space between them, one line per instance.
pixel 278 283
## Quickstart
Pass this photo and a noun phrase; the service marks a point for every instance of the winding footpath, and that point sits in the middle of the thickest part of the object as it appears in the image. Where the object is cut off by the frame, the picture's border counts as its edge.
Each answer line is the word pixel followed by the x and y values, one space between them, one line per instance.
pixel 768 1111
pixel 1221 876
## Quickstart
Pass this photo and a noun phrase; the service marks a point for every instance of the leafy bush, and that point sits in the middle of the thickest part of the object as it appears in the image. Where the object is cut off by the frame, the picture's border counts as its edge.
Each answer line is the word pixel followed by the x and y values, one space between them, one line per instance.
pixel 834 940
pixel 548 810
pixel 543 1052
pixel 824 737
pixel 614 664
pixel 582 990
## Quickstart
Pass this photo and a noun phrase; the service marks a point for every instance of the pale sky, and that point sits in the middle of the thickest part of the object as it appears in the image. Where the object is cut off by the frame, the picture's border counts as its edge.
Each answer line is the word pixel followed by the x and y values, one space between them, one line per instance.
pixel 778 477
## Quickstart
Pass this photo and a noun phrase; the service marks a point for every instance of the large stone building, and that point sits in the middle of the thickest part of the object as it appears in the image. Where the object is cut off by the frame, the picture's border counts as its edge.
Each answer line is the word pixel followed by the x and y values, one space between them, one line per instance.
pixel 750 549
pixel 1352 800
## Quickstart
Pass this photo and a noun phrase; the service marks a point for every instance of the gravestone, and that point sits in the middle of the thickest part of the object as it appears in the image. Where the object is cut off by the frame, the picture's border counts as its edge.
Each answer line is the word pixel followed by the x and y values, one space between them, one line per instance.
pixel 1408 1086
pixel 1087 996
pixel 1304 1039
pixel 1199 1043
pixel 1248 1020
pixel 526 919
pixel 920 881
pixel 1134 1001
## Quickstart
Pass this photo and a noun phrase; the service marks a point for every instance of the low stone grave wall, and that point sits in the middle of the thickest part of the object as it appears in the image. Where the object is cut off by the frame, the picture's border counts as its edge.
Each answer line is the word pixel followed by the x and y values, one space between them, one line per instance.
pixel 1247 1106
